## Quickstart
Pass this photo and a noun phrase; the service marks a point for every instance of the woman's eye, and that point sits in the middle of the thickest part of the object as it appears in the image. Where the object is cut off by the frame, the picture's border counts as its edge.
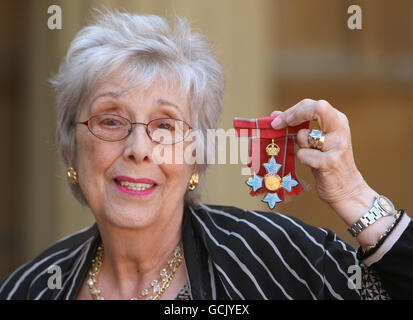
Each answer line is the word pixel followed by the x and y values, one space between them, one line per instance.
pixel 111 123
pixel 165 126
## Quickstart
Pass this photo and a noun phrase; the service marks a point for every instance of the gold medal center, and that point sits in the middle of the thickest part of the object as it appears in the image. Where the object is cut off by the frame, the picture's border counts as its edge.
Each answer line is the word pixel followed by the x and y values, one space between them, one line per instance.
pixel 272 182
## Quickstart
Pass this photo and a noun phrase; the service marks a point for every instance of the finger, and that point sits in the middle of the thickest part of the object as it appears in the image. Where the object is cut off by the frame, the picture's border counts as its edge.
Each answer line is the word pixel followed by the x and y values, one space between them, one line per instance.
pixel 309 157
pixel 276 113
pixel 331 140
pixel 319 160
pixel 326 115
pixel 321 111
pixel 281 121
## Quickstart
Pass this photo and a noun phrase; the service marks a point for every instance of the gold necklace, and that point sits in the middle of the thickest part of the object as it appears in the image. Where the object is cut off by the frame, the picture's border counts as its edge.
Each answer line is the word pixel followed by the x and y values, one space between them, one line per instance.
pixel 157 286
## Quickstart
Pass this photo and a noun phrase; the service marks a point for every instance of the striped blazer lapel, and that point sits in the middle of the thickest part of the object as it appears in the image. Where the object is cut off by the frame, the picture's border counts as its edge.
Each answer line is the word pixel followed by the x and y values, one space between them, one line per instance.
pixel 202 274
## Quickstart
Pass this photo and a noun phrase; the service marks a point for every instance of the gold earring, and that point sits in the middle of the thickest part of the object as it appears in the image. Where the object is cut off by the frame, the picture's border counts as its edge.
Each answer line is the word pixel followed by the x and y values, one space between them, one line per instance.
pixel 193 181
pixel 72 175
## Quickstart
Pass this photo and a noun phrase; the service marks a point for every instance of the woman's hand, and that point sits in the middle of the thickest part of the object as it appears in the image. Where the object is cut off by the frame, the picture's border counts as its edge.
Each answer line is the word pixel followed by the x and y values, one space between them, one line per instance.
pixel 334 169
pixel 338 181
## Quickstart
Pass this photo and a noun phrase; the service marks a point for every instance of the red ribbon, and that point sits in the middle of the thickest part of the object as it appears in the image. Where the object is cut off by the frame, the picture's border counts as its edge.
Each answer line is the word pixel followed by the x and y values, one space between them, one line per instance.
pixel 261 133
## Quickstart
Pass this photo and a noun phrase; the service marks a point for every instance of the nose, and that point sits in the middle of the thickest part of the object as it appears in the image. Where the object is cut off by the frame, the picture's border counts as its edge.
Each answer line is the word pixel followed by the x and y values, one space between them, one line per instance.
pixel 138 145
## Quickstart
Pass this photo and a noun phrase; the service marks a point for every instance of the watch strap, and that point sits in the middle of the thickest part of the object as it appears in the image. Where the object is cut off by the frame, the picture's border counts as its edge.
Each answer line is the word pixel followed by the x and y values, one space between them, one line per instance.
pixel 371 216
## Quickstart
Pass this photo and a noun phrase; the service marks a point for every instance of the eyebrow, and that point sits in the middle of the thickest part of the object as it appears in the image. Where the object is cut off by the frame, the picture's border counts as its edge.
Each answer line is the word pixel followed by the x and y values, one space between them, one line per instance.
pixel 112 94
pixel 163 102
pixel 115 95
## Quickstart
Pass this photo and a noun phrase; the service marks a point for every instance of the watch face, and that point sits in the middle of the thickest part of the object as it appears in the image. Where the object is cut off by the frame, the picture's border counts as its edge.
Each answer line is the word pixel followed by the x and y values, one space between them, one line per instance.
pixel 386 204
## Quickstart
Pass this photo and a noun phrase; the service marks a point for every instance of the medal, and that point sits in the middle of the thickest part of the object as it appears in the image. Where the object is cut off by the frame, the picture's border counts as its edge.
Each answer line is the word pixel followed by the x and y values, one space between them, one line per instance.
pixel 271 159
pixel 272 182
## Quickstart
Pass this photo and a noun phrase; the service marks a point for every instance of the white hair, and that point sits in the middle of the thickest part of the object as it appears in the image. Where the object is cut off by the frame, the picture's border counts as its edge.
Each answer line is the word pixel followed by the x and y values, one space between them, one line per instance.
pixel 140 48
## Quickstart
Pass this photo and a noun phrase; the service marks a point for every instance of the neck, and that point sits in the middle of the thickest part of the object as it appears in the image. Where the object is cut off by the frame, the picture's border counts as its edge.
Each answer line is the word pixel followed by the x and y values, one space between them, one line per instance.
pixel 133 258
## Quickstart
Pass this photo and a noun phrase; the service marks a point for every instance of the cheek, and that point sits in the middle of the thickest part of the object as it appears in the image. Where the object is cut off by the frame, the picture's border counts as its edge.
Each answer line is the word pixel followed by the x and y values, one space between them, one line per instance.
pixel 183 154
pixel 177 176
pixel 173 164
pixel 93 159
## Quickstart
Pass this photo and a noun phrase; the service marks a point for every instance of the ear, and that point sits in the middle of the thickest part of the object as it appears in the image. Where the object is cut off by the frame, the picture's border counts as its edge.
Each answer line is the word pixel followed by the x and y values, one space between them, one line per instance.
pixel 194 169
pixel 69 160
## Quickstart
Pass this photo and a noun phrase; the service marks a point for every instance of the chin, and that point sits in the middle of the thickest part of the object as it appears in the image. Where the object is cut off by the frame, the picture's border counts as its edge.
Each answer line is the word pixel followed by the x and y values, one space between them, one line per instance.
pixel 131 218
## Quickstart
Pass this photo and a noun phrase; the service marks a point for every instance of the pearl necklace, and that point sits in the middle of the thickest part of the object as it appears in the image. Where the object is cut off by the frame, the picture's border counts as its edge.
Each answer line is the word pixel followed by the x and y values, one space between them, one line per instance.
pixel 157 286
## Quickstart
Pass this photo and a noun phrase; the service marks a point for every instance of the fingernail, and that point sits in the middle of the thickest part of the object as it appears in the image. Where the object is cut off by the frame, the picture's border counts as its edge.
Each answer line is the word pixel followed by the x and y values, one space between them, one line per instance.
pixel 276 122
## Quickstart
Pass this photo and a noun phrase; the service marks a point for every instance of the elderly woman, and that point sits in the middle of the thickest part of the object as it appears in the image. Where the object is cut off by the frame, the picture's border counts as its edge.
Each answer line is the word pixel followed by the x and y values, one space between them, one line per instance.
pixel 130 84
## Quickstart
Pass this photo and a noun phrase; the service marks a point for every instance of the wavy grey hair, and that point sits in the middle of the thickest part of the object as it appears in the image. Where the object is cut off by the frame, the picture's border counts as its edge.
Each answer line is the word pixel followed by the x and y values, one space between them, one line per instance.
pixel 140 48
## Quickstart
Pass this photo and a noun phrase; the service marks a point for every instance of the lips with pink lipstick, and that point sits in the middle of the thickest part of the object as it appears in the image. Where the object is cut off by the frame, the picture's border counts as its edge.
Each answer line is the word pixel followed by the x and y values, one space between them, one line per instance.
pixel 135 187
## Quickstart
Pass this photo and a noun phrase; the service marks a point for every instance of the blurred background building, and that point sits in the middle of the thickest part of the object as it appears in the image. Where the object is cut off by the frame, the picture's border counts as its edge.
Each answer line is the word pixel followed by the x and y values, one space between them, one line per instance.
pixel 274 53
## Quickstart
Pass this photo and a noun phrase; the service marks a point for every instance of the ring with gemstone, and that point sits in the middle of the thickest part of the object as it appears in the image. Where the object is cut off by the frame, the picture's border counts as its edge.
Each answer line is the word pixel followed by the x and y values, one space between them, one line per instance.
pixel 316 139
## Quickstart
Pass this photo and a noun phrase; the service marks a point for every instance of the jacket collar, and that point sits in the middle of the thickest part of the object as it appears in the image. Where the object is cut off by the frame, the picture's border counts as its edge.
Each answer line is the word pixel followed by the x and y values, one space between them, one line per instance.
pixel 203 278
pixel 196 259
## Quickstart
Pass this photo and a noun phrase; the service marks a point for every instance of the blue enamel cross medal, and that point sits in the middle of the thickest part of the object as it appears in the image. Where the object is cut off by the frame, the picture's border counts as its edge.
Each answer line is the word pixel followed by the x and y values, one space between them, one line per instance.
pixel 272 182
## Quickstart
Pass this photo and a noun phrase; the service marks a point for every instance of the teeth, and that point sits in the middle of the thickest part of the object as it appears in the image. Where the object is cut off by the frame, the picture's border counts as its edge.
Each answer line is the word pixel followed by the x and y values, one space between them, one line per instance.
pixel 135 186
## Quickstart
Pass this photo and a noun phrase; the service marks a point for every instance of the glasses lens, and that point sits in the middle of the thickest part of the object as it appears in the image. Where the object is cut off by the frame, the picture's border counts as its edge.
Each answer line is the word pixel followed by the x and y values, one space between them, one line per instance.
pixel 109 127
pixel 167 131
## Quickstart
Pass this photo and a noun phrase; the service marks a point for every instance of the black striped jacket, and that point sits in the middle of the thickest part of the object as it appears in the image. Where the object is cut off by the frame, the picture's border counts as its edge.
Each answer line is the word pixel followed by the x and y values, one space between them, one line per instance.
pixel 232 253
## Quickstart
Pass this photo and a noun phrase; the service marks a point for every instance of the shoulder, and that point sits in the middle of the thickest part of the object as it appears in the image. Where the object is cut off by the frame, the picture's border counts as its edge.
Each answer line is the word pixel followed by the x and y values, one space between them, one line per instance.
pixel 282 255
pixel 30 279
pixel 237 219
pixel 271 230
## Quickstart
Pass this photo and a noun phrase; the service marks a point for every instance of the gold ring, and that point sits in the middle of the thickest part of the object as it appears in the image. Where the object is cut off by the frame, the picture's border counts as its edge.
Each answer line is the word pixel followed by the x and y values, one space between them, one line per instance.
pixel 316 139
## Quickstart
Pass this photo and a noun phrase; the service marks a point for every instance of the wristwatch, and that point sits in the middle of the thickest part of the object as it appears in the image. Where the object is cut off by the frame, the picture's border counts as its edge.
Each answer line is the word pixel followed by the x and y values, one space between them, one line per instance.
pixel 382 207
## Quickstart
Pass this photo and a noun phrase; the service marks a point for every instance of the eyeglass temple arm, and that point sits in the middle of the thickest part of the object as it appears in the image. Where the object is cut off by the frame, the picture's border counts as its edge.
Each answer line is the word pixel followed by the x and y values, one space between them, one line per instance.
pixel 86 123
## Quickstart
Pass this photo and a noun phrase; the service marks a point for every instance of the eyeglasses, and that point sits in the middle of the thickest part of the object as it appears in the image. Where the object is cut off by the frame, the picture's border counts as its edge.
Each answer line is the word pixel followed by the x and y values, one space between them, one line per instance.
pixel 111 127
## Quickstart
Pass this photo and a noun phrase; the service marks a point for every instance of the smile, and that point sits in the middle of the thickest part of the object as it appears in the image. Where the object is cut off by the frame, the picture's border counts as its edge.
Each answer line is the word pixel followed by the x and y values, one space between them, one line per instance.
pixel 135 186
pixel 140 188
